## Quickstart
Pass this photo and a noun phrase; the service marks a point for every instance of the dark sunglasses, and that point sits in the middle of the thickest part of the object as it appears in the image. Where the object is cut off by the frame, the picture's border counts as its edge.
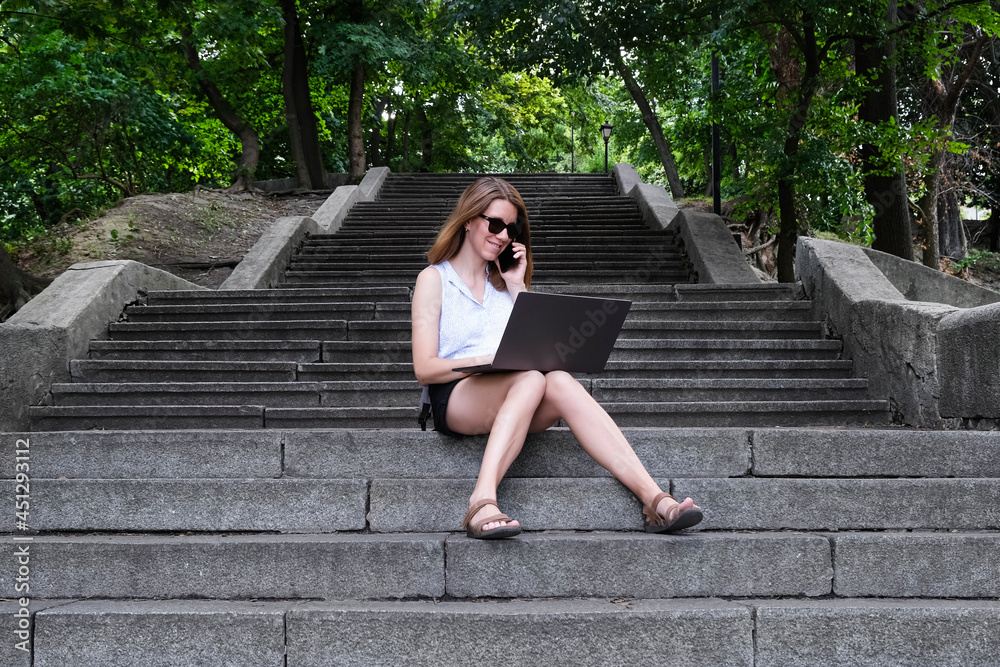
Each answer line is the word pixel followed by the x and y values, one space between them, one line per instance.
pixel 497 225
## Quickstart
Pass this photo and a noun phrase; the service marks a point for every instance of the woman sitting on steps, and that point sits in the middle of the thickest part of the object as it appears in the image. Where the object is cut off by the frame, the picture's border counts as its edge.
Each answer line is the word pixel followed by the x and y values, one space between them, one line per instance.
pixel 460 308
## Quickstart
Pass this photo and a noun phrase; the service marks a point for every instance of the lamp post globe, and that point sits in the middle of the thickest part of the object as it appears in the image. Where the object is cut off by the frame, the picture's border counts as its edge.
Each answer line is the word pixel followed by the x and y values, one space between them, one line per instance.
pixel 606 130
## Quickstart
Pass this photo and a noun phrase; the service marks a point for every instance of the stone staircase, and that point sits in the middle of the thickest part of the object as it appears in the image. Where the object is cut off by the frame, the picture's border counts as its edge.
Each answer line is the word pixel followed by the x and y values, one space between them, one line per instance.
pixel 237 478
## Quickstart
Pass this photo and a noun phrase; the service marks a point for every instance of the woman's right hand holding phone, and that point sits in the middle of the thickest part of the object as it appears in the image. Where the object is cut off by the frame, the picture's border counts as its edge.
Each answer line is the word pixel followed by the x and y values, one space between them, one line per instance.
pixel 514 275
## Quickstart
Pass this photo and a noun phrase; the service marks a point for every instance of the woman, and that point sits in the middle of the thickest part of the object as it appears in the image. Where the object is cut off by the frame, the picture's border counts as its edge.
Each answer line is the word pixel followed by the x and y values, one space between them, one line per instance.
pixel 461 304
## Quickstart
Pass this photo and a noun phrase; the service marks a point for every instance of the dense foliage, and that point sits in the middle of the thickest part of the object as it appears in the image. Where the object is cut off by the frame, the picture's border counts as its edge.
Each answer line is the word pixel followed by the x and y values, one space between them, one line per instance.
pixel 101 99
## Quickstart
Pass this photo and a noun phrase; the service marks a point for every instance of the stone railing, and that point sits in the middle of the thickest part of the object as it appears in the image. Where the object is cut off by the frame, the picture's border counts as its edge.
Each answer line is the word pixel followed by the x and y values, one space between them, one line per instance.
pixel 925 340
pixel 39 341
pixel 269 257
pixel 707 241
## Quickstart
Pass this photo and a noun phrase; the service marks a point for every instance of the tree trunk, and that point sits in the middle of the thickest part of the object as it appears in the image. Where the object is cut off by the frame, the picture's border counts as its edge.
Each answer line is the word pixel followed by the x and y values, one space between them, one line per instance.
pixel 884 182
pixel 355 131
pixel 788 232
pixel 940 101
pixel 303 134
pixel 428 140
pixel 376 133
pixel 952 239
pixel 928 212
pixel 652 122
pixel 243 179
pixel 16 286
pixel 994 219
pixel 986 77
pixel 404 164
pixel 390 139
pixel 288 93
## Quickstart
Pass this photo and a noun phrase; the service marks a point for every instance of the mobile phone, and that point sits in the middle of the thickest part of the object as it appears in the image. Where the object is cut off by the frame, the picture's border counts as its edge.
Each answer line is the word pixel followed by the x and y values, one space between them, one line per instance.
pixel 506 260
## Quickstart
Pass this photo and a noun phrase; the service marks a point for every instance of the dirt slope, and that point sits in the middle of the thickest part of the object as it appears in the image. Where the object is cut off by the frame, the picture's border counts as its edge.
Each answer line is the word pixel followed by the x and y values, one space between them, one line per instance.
pixel 199 236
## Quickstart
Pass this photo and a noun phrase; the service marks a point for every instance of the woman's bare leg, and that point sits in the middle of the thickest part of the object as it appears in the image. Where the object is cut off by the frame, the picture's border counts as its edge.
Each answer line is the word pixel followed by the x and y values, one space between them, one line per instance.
pixel 599 435
pixel 501 404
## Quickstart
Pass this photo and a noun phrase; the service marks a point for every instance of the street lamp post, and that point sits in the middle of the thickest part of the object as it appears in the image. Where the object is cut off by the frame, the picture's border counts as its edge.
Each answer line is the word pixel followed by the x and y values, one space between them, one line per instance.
pixel 606 130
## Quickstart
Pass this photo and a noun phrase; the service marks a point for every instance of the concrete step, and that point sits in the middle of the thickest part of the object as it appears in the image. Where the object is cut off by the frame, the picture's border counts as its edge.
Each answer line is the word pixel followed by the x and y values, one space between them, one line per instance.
pixel 307 566
pixel 384 393
pixel 395 506
pixel 815 370
pixel 270 394
pixel 732 390
pixel 634 292
pixel 629 353
pixel 319 372
pixel 387 323
pixel 344 417
pixel 420 565
pixel 378 352
pixel 660 414
pixel 85 370
pixel 335 264
pixel 386 264
pixel 660 325
pixel 727 311
pixel 199 505
pixel 547 255
pixel 257 296
pixel 740 292
pixel 325 283
pixel 553 251
pixel 318 281
pixel 406 453
pixel 341 259
pixel 847 504
pixel 426 235
pixel 304 351
pixel 590 631
pixel 595 214
pixel 409 453
pixel 81 418
pixel 683 349
pixel 751 413
pixel 281 330
pixel 186 416
pixel 344 276
pixel 252 312
pixel 540 504
pixel 719 370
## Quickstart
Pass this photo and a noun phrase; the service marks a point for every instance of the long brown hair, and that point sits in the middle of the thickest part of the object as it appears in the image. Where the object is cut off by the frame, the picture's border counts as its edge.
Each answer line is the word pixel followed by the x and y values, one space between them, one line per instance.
pixel 474 202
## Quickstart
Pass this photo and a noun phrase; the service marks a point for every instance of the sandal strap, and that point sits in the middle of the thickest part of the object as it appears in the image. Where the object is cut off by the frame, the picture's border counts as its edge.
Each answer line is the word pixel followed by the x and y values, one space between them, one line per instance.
pixel 650 510
pixel 478 505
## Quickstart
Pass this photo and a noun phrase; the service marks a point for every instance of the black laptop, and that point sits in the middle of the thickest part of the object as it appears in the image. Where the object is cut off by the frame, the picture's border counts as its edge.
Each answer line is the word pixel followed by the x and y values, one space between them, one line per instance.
pixel 550 332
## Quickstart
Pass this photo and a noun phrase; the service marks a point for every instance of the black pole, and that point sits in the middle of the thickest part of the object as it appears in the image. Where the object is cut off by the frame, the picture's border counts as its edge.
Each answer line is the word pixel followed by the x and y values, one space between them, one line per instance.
pixel 716 143
pixel 605 156
pixel 572 150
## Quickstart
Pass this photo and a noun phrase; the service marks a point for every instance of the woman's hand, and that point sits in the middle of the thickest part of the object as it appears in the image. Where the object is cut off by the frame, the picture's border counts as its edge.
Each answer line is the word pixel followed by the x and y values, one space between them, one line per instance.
pixel 514 277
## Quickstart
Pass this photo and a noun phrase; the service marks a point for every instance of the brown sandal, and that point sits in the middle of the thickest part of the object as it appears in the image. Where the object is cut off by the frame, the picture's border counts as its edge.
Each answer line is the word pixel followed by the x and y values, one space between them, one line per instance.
pixel 475 530
pixel 674 521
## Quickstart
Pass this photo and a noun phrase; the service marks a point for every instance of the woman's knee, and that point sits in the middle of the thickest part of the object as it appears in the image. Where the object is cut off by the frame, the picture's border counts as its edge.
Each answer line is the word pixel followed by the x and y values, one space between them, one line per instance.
pixel 559 384
pixel 532 382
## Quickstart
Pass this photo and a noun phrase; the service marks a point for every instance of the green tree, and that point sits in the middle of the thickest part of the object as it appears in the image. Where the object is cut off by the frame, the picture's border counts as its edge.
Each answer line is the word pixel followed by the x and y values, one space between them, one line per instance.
pixel 576 42
pixel 951 42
